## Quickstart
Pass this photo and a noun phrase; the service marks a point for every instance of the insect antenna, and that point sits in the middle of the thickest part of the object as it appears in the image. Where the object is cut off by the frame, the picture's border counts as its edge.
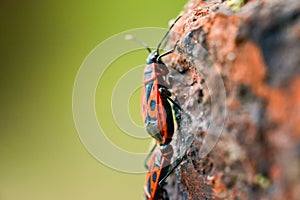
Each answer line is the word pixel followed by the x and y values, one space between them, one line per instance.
pixel 159 44
pixel 144 44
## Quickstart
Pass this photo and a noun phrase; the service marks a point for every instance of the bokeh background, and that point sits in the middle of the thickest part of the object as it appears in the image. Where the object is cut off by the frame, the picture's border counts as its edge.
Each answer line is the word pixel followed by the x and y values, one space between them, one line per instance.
pixel 43 44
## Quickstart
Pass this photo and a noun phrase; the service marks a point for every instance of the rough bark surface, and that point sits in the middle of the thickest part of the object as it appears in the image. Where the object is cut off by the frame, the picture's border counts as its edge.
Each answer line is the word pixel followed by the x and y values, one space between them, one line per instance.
pixel 256 52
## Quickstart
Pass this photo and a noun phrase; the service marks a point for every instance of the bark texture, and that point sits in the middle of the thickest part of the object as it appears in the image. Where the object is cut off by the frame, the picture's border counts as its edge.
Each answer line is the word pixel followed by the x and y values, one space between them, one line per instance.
pixel 256 52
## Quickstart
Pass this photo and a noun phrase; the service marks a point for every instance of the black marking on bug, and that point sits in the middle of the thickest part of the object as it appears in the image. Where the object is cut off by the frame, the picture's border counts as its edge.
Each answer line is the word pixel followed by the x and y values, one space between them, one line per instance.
pixel 154 177
pixel 152 105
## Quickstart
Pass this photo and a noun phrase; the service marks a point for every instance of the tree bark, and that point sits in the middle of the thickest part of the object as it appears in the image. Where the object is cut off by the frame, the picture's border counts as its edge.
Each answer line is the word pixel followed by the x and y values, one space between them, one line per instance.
pixel 255 49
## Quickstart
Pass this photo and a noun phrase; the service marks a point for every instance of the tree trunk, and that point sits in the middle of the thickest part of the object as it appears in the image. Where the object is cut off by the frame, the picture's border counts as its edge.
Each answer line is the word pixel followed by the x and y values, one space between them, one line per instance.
pixel 246 61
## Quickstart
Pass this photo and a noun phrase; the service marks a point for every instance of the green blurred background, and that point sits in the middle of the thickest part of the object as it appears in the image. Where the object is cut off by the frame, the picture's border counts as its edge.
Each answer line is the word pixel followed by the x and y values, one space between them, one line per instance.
pixel 43 44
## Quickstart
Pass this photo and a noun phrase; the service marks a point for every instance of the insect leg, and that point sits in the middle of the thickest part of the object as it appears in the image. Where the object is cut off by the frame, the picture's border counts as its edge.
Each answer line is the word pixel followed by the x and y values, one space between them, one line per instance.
pixel 177 163
pixel 167 94
pixel 167 52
